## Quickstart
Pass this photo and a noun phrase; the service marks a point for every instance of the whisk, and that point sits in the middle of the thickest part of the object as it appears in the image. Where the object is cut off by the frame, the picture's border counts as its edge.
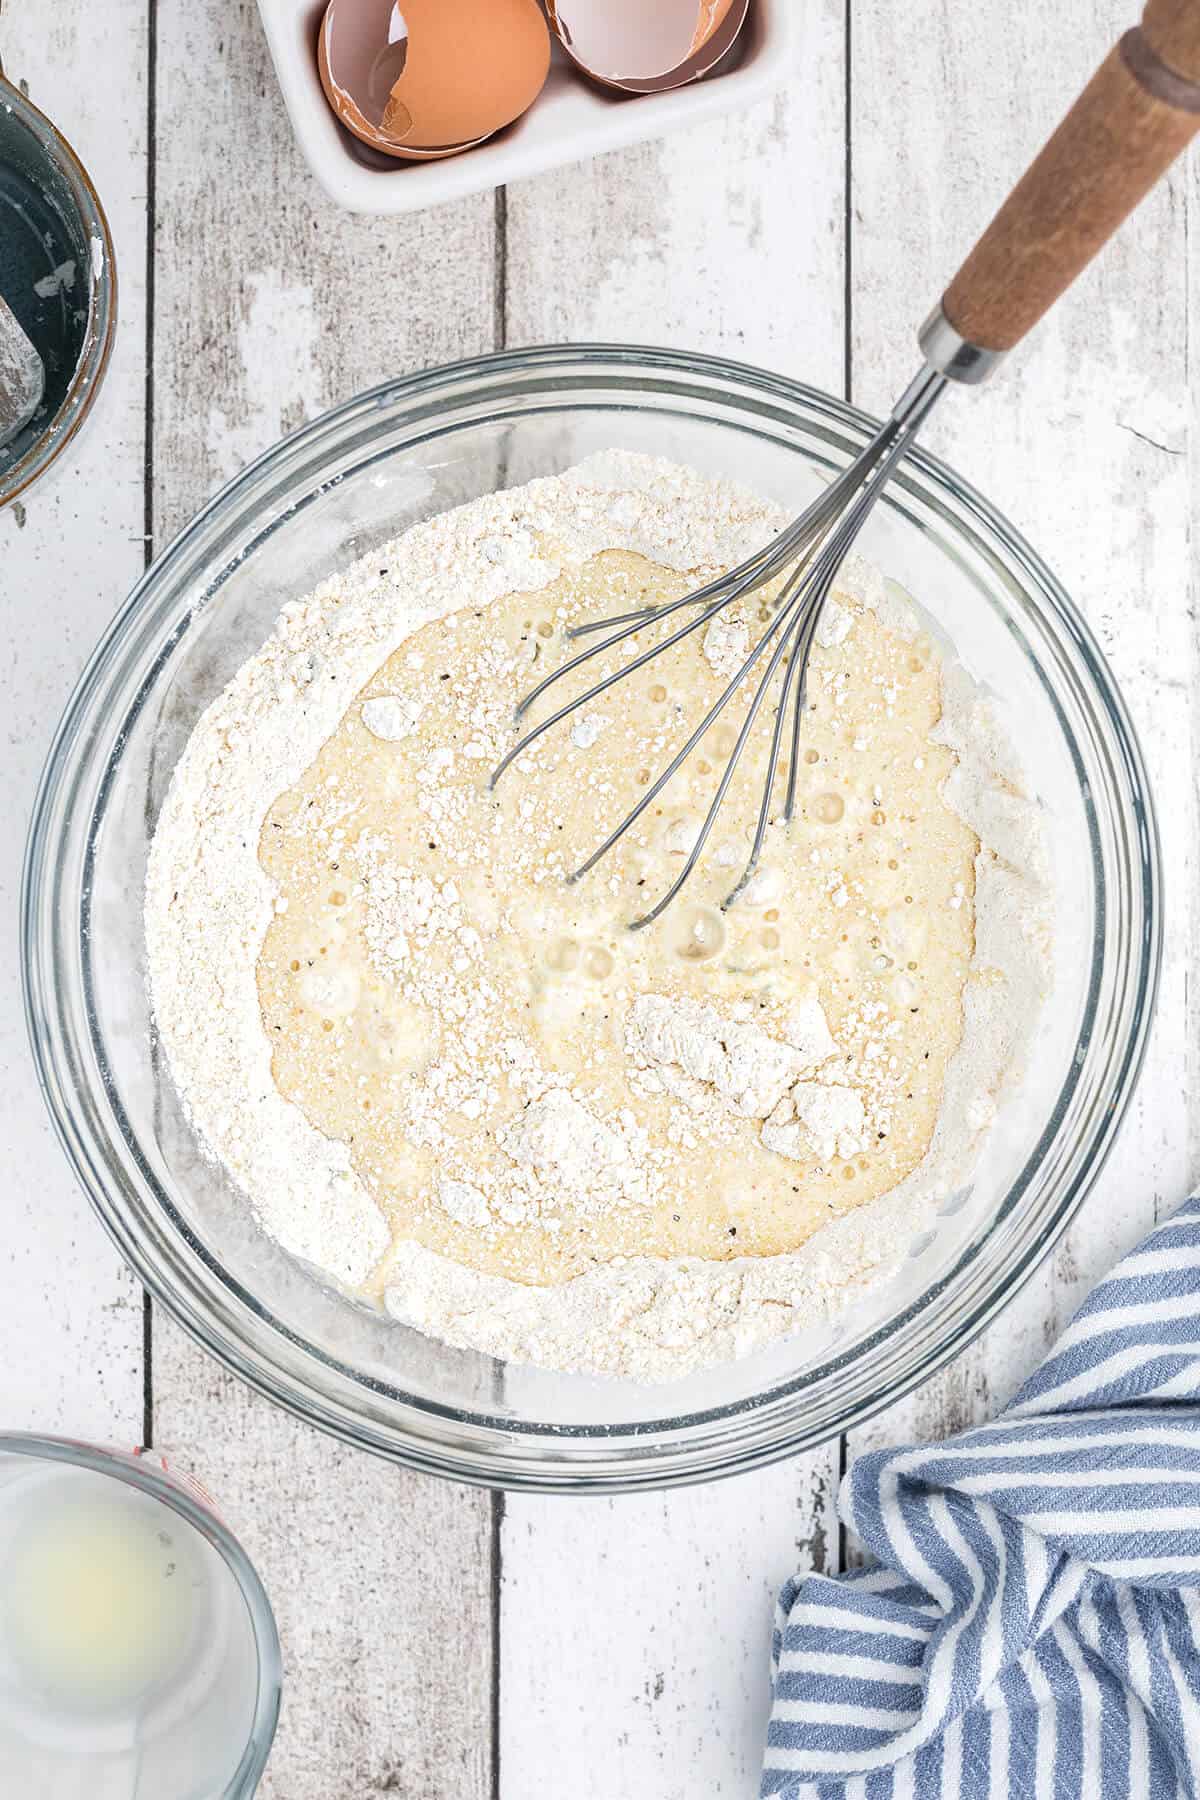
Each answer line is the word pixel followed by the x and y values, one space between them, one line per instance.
pixel 1140 109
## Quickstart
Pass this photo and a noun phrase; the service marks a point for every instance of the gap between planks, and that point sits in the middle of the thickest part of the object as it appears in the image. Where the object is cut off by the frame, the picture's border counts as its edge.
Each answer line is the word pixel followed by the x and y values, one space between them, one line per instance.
pixel 148 535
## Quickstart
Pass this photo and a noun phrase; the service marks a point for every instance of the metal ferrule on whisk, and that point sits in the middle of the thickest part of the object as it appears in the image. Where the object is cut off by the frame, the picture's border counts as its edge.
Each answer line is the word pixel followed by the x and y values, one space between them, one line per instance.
pixel 945 349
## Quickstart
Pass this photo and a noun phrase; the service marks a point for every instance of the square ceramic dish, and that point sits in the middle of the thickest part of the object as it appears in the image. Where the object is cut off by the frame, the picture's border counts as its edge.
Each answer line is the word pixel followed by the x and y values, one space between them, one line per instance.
pixel 570 120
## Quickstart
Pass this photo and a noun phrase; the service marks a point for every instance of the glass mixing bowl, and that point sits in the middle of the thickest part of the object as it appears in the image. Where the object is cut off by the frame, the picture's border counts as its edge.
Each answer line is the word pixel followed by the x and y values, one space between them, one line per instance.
pixel 345 484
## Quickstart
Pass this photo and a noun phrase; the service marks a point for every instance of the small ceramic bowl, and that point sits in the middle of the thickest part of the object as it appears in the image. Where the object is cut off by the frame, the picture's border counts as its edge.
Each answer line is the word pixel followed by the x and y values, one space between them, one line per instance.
pixel 58 274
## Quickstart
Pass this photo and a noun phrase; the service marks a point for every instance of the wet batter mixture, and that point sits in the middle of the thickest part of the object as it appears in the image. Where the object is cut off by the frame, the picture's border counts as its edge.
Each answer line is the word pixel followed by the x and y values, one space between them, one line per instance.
pixel 458 1082
pixel 471 1026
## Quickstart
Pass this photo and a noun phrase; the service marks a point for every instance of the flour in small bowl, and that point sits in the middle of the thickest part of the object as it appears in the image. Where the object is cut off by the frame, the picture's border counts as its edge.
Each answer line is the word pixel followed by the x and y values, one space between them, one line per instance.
pixel 454 1081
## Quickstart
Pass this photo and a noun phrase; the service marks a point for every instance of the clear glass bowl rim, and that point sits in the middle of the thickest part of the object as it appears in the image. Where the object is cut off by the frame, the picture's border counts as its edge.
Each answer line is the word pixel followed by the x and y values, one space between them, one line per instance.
pixel 142 1474
pixel 489 1449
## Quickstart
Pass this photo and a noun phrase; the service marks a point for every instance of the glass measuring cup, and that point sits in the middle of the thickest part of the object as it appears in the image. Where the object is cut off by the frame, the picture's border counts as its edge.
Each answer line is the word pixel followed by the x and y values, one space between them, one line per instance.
pixel 139 1657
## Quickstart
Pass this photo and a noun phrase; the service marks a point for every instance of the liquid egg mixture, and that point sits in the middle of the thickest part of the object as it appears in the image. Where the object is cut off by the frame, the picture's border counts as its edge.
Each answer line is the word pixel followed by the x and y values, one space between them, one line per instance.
pixel 524 1084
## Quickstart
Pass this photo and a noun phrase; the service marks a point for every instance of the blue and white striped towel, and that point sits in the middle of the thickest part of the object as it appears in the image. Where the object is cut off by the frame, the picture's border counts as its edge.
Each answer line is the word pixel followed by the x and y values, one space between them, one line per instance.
pixel 1032 1626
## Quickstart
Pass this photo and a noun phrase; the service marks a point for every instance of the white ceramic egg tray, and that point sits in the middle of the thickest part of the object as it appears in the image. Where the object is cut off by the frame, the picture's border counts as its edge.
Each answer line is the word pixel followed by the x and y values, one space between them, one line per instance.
pixel 571 119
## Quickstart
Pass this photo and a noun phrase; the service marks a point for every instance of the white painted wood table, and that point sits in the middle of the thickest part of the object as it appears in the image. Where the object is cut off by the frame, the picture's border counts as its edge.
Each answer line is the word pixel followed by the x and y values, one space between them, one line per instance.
pixel 442 1642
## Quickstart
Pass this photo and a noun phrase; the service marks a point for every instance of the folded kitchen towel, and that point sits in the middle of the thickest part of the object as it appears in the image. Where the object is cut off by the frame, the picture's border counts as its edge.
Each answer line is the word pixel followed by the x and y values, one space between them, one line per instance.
pixel 1031 1625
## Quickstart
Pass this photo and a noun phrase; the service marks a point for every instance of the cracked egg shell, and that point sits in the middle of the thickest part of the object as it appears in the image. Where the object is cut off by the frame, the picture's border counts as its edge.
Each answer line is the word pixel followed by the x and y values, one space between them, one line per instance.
pixel 431 77
pixel 641 49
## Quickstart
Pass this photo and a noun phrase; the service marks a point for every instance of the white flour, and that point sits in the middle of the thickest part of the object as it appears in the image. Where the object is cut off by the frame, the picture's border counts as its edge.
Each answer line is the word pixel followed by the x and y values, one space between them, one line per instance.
pixel 749 1068
pixel 209 905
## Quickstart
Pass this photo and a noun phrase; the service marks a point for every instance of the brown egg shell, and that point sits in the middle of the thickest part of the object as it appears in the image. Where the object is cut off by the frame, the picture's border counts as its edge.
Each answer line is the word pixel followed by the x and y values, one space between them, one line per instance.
pixel 355 121
pixel 713 25
pixel 458 71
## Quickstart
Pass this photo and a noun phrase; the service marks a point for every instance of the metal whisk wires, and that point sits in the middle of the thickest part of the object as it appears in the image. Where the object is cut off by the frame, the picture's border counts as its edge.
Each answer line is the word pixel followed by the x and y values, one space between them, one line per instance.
pixel 808 554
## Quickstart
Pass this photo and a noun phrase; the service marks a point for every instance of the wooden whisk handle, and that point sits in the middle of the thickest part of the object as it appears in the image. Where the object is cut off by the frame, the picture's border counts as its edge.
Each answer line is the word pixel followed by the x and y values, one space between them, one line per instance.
pixel 1140 109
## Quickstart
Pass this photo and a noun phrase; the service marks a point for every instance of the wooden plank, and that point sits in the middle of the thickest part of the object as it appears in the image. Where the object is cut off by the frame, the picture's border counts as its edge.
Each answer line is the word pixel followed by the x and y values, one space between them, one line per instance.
pixel 635 1631
pixel 68 555
pixel 725 238
pixel 381 1582
pixel 1083 440
pixel 269 305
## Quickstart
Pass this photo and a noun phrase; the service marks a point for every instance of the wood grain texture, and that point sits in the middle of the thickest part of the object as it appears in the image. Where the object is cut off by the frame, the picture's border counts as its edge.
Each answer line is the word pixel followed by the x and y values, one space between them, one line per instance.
pixel 1172 30
pixel 269 305
pixel 726 237
pixel 1085 439
pixel 68 554
pixel 1112 147
pixel 380 1581
pixel 635 1632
